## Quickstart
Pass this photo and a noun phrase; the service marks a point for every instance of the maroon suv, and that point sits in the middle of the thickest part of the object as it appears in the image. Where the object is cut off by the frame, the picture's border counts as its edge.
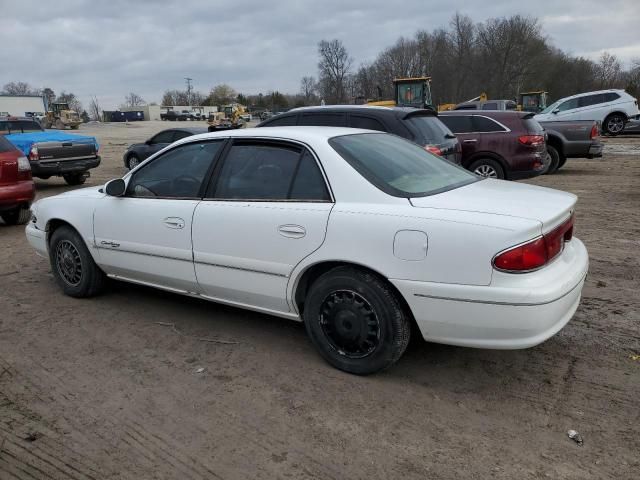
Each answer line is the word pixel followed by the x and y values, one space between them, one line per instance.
pixel 499 144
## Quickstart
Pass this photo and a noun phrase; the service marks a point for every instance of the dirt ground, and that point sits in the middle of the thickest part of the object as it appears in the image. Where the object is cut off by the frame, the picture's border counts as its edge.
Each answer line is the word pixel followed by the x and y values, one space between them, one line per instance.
pixel 96 389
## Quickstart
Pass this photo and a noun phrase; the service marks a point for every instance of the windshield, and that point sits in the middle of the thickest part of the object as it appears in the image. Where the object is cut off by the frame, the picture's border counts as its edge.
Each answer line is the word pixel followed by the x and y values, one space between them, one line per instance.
pixel 399 167
pixel 551 107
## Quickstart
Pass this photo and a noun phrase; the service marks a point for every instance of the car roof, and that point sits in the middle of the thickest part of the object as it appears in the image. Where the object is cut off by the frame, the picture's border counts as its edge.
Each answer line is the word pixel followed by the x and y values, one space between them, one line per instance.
pixel 191 130
pixel 362 108
pixel 301 133
pixel 595 92
pixel 486 113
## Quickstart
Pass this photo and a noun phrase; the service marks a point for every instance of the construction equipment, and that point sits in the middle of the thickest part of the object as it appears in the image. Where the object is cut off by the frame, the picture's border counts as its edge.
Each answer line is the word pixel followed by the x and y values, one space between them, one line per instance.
pixel 60 116
pixel 532 101
pixel 229 118
pixel 408 92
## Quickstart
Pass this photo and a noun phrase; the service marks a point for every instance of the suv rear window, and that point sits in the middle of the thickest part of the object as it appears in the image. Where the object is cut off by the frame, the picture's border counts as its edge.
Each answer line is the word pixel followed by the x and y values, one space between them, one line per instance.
pixel 428 129
pixel 399 167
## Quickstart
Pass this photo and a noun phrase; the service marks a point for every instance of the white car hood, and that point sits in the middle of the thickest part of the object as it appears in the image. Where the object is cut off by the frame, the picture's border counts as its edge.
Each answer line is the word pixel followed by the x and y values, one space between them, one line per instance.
pixel 500 197
pixel 83 192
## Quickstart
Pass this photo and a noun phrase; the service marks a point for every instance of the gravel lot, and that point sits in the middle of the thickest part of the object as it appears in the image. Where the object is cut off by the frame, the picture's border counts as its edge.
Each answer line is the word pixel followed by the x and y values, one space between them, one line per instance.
pixel 96 389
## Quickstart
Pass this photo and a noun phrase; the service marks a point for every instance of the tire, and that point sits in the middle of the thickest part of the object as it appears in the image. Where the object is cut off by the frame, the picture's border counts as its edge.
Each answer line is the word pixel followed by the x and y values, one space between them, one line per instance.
pixel 355 321
pixel 133 161
pixel 75 178
pixel 72 265
pixel 19 216
pixel 555 159
pixel 490 168
pixel 563 160
pixel 60 125
pixel 614 124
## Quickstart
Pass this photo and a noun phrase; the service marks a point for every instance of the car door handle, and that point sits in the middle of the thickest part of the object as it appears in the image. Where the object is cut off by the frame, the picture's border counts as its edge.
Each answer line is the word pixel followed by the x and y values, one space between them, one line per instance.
pixel 292 231
pixel 174 222
pixel 473 140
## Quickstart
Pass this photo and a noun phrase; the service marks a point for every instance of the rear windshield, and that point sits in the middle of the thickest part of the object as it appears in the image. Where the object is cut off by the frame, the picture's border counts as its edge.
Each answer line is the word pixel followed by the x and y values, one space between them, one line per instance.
pixel 399 167
pixel 531 125
pixel 19 126
pixel 429 130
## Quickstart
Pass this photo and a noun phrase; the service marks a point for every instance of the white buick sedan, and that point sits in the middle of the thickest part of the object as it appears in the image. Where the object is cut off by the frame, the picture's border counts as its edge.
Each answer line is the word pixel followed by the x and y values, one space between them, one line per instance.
pixel 359 234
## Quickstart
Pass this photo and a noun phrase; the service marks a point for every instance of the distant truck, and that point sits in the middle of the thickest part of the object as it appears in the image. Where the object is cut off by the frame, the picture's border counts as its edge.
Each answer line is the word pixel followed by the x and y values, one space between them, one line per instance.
pixel 52 153
pixel 173 115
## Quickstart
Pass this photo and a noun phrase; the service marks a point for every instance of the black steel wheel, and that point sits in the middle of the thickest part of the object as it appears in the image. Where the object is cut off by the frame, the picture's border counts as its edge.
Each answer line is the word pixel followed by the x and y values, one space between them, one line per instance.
pixel 356 321
pixel 72 265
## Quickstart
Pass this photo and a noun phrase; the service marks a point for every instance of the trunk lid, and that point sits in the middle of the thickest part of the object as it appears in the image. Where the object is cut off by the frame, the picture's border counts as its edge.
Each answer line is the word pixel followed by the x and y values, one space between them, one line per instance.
pixel 498 197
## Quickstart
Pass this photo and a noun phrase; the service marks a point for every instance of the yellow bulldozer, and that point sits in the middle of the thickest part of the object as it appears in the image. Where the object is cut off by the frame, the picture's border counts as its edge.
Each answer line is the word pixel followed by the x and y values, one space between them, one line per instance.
pixel 229 118
pixel 408 92
pixel 532 101
pixel 60 116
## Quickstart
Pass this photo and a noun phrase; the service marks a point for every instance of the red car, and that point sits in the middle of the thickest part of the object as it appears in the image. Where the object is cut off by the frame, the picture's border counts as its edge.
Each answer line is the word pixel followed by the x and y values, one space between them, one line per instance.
pixel 17 189
pixel 499 144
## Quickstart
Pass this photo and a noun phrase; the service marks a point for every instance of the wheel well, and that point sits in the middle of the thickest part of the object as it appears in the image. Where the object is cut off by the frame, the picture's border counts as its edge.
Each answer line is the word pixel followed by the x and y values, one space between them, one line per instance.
pixel 624 115
pixel 491 156
pixel 316 271
pixel 54 224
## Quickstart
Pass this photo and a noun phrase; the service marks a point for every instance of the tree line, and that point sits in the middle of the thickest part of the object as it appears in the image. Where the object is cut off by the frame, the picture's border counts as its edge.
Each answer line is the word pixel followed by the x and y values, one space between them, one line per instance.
pixel 501 56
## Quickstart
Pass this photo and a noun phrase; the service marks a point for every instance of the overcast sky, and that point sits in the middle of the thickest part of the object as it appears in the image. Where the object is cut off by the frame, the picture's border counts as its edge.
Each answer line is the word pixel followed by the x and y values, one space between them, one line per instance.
pixel 108 49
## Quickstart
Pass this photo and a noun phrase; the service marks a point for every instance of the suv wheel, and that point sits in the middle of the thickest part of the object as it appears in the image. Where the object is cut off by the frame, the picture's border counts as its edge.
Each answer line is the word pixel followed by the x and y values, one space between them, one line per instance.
pixel 355 321
pixel 614 124
pixel 133 161
pixel 555 159
pixel 487 167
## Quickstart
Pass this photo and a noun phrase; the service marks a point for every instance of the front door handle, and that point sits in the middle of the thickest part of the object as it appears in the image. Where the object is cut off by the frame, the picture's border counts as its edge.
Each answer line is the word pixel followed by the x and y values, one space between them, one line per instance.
pixel 292 231
pixel 473 140
pixel 174 222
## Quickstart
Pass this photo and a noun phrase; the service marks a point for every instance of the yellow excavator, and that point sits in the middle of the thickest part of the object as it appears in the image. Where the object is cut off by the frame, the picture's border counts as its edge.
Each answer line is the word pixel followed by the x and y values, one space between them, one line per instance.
pixel 229 118
pixel 532 101
pixel 60 116
pixel 408 92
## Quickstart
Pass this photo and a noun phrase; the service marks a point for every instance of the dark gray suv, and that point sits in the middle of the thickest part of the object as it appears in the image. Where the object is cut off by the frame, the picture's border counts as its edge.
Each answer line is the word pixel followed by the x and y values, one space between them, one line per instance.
pixel 421 126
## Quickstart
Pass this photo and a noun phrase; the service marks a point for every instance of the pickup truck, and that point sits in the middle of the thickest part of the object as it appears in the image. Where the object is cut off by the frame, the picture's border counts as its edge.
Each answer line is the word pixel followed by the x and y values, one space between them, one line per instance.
pixel 172 115
pixel 571 139
pixel 52 153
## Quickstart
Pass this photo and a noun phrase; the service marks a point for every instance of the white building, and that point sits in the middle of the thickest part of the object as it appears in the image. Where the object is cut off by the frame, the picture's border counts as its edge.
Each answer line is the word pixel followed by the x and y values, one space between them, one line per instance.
pixel 20 105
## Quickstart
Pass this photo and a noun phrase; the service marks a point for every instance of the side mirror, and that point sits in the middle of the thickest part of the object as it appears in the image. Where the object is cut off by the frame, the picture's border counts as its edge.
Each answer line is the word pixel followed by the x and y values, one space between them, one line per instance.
pixel 556 111
pixel 115 188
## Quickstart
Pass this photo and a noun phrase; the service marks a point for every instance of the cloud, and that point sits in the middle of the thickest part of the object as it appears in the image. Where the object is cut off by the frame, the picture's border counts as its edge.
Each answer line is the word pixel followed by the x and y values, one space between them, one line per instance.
pixel 108 49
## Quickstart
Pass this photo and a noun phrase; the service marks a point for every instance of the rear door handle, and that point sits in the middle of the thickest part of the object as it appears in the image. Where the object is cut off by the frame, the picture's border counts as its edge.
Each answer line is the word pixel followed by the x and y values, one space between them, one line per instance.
pixel 174 222
pixel 292 231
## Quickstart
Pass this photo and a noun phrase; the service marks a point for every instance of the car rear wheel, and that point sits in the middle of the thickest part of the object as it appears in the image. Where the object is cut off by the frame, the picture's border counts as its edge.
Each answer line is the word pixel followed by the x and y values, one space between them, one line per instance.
pixel 72 264
pixel 75 178
pixel 562 161
pixel 133 161
pixel 555 159
pixel 355 321
pixel 487 167
pixel 19 216
pixel 614 124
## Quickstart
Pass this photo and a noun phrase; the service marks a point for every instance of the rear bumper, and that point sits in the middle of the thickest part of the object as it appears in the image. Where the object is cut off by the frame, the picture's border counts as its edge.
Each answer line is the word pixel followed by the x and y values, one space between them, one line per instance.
pixel 519 175
pixel 515 311
pixel 17 194
pixel 63 167
pixel 595 150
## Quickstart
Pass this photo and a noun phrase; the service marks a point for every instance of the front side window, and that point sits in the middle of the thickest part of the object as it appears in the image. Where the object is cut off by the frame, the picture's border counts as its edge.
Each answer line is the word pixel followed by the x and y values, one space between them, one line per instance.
pixel 178 173
pixel 399 167
pixel 163 137
pixel 263 171
pixel 285 121
pixel 568 105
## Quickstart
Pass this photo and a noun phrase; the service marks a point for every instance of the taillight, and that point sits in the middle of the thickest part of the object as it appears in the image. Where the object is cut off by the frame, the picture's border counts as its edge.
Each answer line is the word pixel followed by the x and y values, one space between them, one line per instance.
pixel 594 131
pixel 33 153
pixel 433 149
pixel 23 164
pixel 536 253
pixel 531 140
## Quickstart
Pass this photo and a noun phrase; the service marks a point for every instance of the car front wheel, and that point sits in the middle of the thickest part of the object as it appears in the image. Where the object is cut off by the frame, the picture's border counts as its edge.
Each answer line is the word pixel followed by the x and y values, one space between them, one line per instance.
pixel 72 264
pixel 355 321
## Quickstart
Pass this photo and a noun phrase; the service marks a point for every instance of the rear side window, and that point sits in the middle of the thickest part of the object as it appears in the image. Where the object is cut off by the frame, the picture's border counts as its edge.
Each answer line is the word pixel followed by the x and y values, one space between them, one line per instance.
pixel 323 119
pixel 6 145
pixel 484 124
pixel 358 121
pixel 458 124
pixel 428 129
pixel 610 97
pixel 490 106
pixel 286 121
pixel 180 135
pixel 589 100
pixel 270 172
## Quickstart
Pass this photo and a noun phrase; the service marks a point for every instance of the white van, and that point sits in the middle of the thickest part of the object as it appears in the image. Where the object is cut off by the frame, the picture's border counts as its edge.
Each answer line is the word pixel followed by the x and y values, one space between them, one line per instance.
pixel 613 108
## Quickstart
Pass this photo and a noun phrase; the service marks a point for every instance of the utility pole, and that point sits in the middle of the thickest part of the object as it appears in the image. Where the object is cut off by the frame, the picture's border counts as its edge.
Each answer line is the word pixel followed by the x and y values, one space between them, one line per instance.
pixel 189 88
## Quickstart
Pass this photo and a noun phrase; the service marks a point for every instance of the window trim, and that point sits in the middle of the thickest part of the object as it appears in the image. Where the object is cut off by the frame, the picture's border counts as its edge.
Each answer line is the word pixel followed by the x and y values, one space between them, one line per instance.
pixel 215 176
pixel 369 117
pixel 205 180
pixel 506 129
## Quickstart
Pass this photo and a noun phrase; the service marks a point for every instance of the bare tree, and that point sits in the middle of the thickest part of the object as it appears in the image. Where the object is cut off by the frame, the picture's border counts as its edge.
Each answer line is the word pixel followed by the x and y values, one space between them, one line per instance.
pixel 334 67
pixel 222 94
pixel 95 112
pixel 308 88
pixel 608 71
pixel 133 100
pixel 71 100
pixel 19 88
